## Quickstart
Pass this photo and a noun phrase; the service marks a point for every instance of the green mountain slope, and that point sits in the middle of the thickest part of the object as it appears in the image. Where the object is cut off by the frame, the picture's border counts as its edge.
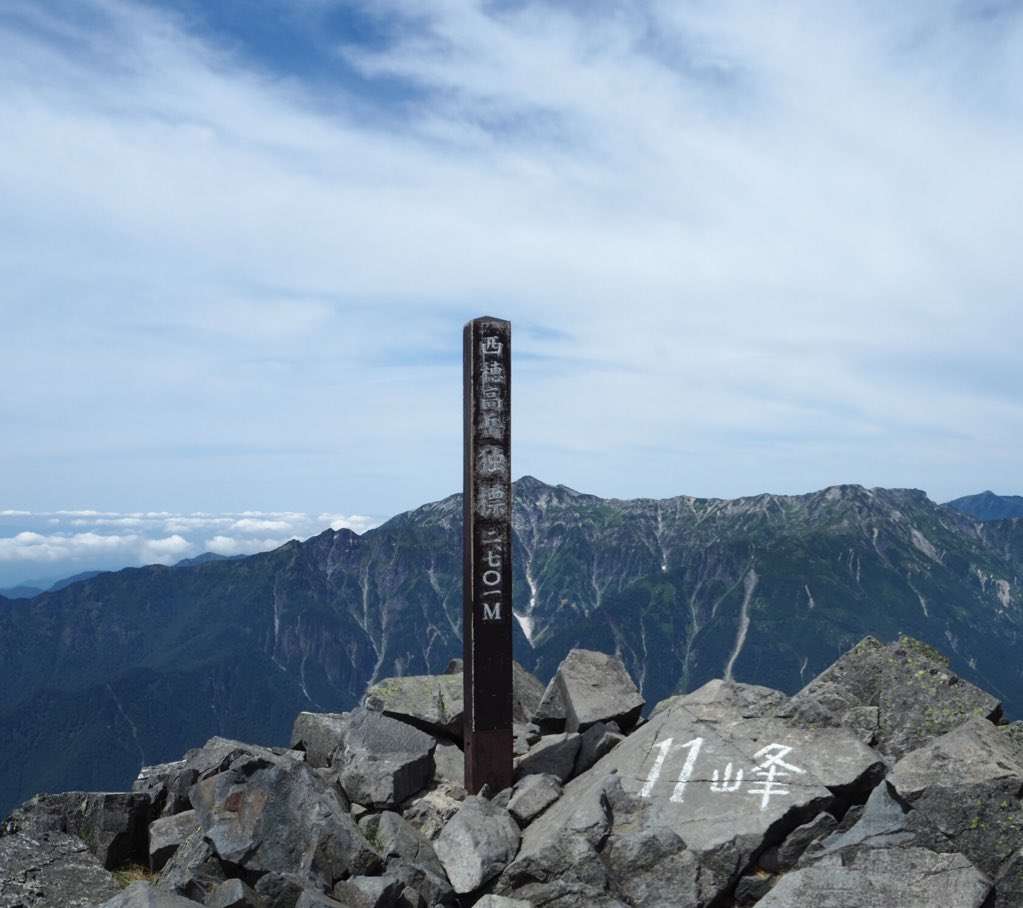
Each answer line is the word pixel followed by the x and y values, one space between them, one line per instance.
pixel 137 666
pixel 989 506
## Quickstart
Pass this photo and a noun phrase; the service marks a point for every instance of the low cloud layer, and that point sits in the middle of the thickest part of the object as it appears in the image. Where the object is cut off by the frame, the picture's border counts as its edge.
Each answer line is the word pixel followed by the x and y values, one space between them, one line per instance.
pixel 50 546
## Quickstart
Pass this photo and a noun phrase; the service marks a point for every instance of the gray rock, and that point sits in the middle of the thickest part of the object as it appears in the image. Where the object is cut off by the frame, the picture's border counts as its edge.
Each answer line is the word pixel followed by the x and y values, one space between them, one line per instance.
pixel 884 822
pixel 383 761
pixel 166 834
pixel 145 895
pixel 725 785
pixel 555 755
pixel 748 701
pixel 966 784
pixel 596 687
pixel 397 839
pixel 550 714
pixel 311 898
pixel 524 737
pixel 654 868
pixel 449 763
pixel 167 786
pixel 780 858
pixel 282 817
pixel 51 870
pixel 430 811
pixel 112 824
pixel 916 697
pixel 281 890
pixel 429 702
pixel 533 795
pixel 906 876
pixel 1009 884
pixel 234 894
pixel 596 742
pixel 527 692
pixel 752 887
pixel 319 735
pixel 477 843
pixel 193 870
pixel 433 703
pixel 501 901
pixel 370 891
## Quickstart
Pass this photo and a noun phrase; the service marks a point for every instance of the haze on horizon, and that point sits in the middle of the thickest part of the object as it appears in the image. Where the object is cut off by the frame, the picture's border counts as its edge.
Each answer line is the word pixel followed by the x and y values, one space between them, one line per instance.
pixel 743 247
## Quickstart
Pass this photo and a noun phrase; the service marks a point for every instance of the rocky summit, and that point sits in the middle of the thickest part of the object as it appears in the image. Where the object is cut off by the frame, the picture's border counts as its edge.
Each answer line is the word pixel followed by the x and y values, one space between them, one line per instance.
pixel 887 781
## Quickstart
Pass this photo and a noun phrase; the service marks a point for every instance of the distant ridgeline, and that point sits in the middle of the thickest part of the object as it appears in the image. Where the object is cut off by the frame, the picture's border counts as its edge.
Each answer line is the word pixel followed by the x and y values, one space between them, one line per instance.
pixel 989 506
pixel 886 781
pixel 134 667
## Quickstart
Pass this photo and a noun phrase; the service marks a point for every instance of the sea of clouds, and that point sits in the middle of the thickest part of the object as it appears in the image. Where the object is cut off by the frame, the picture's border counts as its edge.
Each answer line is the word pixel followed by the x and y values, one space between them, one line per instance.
pixel 39 548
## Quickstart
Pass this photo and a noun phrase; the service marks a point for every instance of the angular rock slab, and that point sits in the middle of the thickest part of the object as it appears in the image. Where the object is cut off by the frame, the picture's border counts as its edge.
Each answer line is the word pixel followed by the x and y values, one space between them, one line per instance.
pixel 967 784
pixel 905 877
pixel 167 834
pixel 113 824
pixel 319 735
pixel 718 785
pixel 51 870
pixel 477 843
pixel 282 817
pixel 905 690
pixel 595 688
pixel 382 761
pixel 193 869
pixel 554 755
pixel 144 895
pixel 432 703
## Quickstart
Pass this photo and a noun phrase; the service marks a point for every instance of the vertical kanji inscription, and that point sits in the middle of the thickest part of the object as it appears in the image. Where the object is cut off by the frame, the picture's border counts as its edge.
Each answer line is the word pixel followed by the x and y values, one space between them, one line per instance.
pixel 487 555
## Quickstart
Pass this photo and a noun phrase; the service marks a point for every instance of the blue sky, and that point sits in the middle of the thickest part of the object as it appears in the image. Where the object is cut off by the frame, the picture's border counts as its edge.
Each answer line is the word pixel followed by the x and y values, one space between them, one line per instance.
pixel 744 247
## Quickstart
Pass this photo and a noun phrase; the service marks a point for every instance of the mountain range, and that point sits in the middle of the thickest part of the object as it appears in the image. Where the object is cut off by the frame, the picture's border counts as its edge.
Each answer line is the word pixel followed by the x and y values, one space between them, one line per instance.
pixel 133 667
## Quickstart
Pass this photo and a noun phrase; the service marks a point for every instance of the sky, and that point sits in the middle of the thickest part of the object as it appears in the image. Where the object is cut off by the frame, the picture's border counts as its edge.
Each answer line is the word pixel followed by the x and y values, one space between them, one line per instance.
pixel 744 247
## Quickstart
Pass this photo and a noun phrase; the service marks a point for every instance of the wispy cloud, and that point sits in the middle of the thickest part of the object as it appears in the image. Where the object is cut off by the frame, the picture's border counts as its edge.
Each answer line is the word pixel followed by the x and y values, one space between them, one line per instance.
pixel 744 246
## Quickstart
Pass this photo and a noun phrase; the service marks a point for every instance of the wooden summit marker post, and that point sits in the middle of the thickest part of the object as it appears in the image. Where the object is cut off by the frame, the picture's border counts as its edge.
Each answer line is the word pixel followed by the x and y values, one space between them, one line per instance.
pixel 486 571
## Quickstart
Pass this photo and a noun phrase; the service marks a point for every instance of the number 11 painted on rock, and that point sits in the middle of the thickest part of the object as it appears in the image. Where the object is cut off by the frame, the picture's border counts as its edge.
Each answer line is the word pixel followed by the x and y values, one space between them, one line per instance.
pixel 486 572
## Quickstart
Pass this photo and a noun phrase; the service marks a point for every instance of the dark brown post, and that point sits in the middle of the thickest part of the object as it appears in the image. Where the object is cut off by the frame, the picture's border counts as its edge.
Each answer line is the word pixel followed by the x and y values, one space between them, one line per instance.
pixel 487 572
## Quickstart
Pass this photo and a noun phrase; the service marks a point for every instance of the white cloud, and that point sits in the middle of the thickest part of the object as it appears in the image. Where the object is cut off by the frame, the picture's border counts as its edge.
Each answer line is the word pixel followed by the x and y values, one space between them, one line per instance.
pixel 167 550
pixel 110 543
pixel 743 246
pixel 228 545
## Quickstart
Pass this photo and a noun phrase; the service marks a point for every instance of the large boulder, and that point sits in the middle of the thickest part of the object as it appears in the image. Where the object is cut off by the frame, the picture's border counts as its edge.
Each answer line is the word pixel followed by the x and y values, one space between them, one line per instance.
pixel 554 755
pixel 897 696
pixel 168 784
pixel 166 834
pixel 193 870
pixel 906 877
pixel 145 895
pixel 967 784
pixel 113 824
pixel 51 870
pixel 890 856
pixel 320 735
pixel 477 843
pixel 593 687
pixel 434 702
pixel 430 702
pixel 691 797
pixel 281 816
pixel 382 761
